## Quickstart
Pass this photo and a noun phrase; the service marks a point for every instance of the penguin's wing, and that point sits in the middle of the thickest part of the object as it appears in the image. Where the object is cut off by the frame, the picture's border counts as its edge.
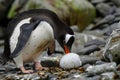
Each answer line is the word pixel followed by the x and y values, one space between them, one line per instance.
pixel 25 32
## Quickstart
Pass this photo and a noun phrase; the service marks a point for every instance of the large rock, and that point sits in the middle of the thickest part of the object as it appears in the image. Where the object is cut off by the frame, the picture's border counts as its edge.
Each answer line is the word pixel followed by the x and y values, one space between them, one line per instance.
pixel 104 9
pixel 111 50
pixel 117 2
pixel 4 7
pixel 80 40
pixel 73 12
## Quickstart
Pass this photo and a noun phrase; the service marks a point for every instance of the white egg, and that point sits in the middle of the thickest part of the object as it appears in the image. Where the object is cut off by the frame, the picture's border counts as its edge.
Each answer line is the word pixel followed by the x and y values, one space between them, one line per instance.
pixel 70 60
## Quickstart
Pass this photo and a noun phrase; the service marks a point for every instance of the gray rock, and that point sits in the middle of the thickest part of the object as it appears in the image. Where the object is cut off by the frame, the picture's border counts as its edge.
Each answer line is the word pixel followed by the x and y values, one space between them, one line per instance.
pixel 98 69
pixel 85 59
pixel 86 65
pixel 117 2
pixel 117 12
pixel 108 76
pixel 50 61
pixel 96 42
pixel 112 46
pixel 97 1
pixel 33 76
pixel 108 30
pixel 88 50
pixel 2 70
pixel 106 20
pixel 4 8
pixel 80 40
pixel 117 19
pixel 92 78
pixel 99 62
pixel 97 33
pixel 104 9
pixel 78 76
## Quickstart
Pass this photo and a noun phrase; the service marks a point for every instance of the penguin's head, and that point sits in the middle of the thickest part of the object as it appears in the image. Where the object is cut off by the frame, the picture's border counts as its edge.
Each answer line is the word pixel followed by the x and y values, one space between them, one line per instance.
pixel 66 40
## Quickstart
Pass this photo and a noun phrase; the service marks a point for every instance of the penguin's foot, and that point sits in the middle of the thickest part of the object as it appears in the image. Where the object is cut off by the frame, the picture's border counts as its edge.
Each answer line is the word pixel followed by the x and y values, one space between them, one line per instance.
pixel 38 66
pixel 25 71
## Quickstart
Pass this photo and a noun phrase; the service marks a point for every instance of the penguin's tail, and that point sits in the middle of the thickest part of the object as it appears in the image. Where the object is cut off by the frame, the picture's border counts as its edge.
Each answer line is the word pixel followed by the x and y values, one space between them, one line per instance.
pixel 3 59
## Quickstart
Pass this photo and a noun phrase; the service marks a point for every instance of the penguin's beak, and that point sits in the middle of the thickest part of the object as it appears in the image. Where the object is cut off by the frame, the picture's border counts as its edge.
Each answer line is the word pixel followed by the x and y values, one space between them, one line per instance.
pixel 66 49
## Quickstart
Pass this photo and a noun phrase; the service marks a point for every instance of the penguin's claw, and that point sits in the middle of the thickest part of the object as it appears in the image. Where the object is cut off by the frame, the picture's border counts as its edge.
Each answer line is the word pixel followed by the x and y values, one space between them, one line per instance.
pixel 38 66
pixel 25 71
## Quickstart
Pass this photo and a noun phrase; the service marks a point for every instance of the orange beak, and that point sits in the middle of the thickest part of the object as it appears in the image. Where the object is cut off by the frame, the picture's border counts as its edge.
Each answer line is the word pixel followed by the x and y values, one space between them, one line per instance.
pixel 66 49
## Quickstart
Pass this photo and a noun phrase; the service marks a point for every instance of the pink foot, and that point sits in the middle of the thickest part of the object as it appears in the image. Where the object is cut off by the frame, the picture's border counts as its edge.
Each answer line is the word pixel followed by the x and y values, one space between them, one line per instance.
pixel 38 66
pixel 25 71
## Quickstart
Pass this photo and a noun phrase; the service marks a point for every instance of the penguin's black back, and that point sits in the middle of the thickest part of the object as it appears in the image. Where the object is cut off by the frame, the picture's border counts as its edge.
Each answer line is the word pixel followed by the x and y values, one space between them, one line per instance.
pixel 35 14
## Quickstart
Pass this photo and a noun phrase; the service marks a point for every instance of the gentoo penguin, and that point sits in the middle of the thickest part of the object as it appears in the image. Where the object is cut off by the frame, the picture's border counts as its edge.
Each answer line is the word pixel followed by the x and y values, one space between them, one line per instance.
pixel 31 32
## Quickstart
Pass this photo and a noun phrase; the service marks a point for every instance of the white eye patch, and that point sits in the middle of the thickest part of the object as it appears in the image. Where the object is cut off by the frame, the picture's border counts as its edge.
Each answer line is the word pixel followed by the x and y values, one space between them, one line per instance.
pixel 67 37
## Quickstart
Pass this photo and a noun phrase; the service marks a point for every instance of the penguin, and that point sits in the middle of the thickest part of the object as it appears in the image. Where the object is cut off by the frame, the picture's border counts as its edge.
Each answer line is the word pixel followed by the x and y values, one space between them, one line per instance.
pixel 30 33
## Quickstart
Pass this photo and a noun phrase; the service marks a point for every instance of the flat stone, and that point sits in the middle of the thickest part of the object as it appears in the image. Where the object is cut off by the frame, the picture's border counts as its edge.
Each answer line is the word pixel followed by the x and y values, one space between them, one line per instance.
pixel 98 69
pixel 104 9
pixel 117 2
pixel 50 61
pixel 106 20
pixel 88 50
pixel 108 76
pixel 97 1
pixel 86 59
pixel 96 42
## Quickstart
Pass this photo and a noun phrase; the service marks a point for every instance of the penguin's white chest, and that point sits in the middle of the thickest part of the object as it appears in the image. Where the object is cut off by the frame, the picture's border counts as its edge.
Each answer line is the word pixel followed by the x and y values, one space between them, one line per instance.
pixel 39 40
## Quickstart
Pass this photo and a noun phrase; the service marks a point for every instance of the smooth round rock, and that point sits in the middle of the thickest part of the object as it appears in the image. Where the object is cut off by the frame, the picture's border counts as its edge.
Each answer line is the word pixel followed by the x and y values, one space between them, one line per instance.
pixel 70 60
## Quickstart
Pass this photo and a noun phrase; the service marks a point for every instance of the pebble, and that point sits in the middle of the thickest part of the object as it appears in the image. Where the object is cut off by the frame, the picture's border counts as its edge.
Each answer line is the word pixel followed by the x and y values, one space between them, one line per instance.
pixel 97 1
pixel 80 40
pixel 50 61
pixel 117 2
pixel 98 69
pixel 108 30
pixel 106 20
pixel 92 78
pixel 108 76
pixel 96 42
pixel 85 59
pixel 88 50
pixel 104 9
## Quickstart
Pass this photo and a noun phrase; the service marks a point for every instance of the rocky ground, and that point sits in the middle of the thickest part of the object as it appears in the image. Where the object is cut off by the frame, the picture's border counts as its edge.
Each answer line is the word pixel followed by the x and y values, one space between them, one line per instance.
pixel 98 47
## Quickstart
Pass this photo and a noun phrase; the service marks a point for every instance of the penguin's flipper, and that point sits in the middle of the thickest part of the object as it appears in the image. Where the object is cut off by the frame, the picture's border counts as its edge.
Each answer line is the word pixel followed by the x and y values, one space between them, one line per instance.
pixel 25 32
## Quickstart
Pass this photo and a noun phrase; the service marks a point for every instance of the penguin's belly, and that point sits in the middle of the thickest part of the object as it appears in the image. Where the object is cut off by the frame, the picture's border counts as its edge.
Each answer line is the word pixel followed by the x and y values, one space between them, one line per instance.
pixel 33 49
pixel 39 40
